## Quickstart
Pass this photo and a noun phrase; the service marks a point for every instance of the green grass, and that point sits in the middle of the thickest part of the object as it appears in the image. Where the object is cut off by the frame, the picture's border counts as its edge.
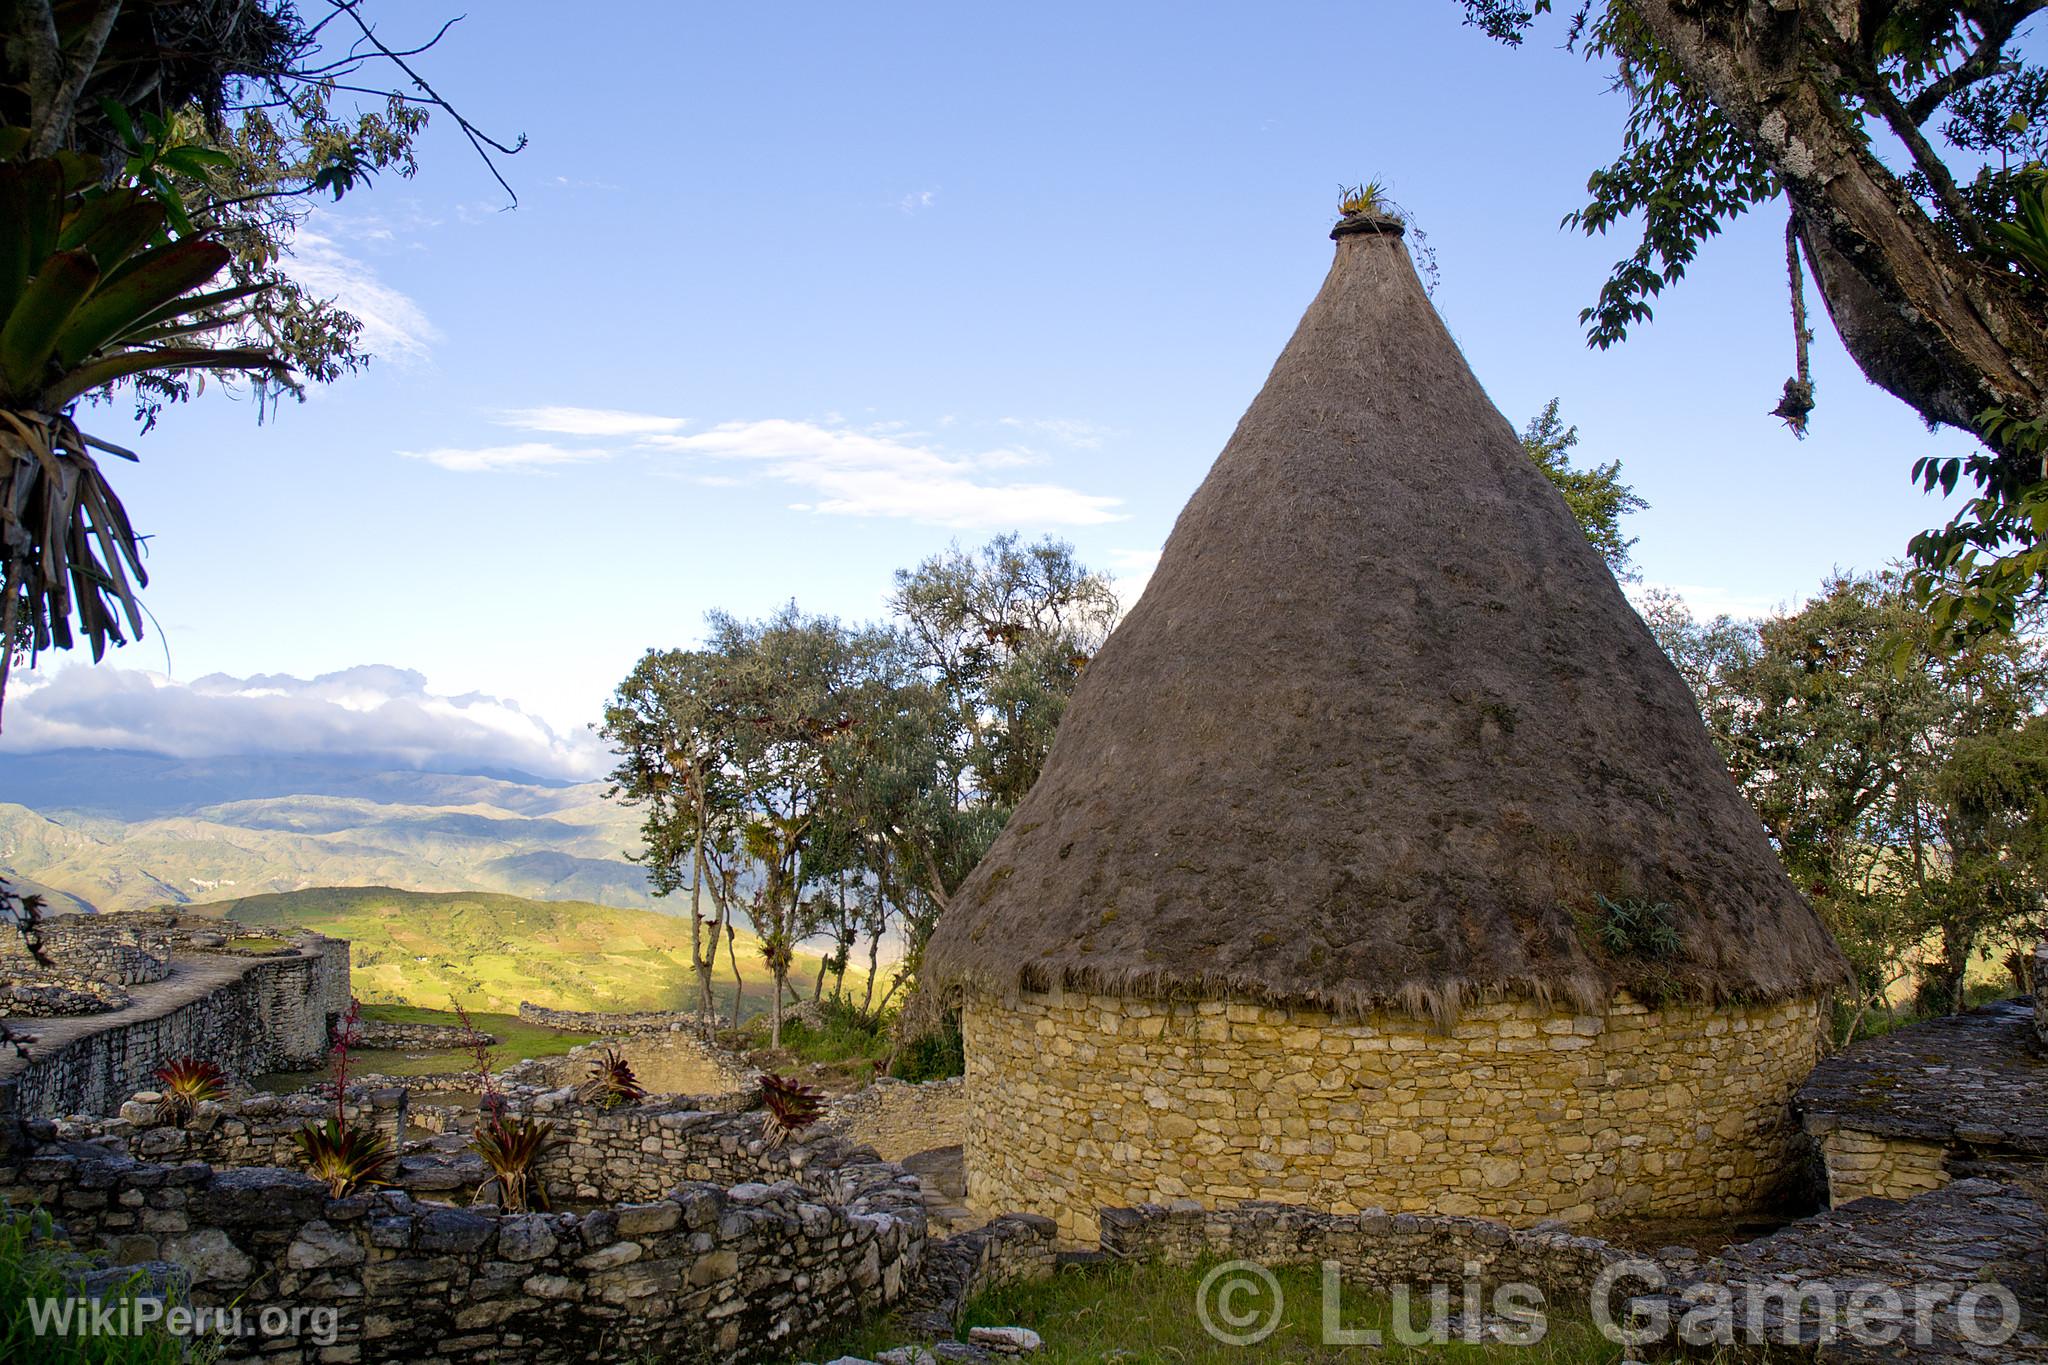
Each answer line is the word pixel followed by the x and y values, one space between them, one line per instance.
pixel 490 952
pixel 1145 1315
pixel 30 1269
pixel 521 1042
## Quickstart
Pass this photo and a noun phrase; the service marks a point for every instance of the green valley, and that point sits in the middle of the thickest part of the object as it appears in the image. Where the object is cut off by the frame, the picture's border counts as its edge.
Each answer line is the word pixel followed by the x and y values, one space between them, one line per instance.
pixel 489 952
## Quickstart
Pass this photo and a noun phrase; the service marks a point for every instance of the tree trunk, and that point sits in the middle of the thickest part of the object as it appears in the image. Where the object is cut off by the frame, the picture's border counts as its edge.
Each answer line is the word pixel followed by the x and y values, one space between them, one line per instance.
pixel 874 956
pixel 699 960
pixel 739 985
pixel 1947 335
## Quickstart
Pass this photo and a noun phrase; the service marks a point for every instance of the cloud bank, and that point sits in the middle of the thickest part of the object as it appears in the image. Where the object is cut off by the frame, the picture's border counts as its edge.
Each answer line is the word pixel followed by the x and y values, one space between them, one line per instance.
pixel 373 711
pixel 881 470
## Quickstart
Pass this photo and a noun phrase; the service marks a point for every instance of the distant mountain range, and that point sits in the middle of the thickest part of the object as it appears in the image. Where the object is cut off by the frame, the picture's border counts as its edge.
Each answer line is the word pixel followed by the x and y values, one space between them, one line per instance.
pixel 119 830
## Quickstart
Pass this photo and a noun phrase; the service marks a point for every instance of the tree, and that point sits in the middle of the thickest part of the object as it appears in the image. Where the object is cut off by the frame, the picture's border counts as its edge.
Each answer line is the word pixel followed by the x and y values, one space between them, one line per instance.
pixel 670 724
pixel 1597 497
pixel 1903 786
pixel 145 148
pixel 1934 270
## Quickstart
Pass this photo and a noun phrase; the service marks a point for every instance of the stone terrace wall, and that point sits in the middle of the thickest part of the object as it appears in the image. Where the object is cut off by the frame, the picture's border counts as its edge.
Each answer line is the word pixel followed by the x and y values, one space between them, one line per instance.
pixel 391 1036
pixel 636 1152
pixel 266 1014
pixel 96 947
pixel 1373 1248
pixel 703 1272
pixel 2041 996
pixel 1080 1102
pixel 1860 1164
pixel 578 1021
pixel 251 1130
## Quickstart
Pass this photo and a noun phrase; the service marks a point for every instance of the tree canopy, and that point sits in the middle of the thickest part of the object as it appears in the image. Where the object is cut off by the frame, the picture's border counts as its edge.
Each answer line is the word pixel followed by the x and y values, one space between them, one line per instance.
pixel 1597 497
pixel 1905 141
pixel 146 151
pixel 1905 787
pixel 825 779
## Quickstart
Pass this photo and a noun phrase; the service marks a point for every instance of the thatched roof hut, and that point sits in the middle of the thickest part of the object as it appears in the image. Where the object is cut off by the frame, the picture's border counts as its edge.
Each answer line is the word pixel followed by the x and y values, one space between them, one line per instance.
pixel 1382 731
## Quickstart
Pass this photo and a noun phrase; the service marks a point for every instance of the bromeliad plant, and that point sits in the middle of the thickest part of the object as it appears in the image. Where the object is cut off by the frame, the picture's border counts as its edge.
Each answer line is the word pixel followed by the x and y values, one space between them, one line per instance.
pixel 94 290
pixel 346 1157
pixel 187 1083
pixel 792 1107
pixel 611 1081
pixel 511 1147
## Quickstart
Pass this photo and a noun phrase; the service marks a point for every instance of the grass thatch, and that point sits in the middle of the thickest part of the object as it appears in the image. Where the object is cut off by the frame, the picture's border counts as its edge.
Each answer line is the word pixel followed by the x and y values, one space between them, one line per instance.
pixel 1382 731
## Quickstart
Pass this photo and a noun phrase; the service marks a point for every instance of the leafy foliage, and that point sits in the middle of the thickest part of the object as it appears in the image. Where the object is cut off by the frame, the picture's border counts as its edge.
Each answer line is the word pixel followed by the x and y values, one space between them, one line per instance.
pixel 1597 497
pixel 188 1083
pixel 1638 928
pixel 611 1081
pixel 345 1157
pixel 38 1265
pixel 1902 784
pixel 511 1148
pixel 792 1107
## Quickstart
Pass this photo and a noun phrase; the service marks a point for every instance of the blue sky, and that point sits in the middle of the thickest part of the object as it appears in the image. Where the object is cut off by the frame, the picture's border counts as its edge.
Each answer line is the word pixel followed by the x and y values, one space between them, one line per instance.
pixel 851 281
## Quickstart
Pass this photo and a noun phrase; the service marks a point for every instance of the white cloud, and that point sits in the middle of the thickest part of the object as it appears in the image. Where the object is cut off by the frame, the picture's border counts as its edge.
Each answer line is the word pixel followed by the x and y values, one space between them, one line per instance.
pixel 394 327
pixel 892 474
pixel 565 421
pixel 1066 430
pixel 370 711
pixel 1131 570
pixel 527 455
pixel 917 201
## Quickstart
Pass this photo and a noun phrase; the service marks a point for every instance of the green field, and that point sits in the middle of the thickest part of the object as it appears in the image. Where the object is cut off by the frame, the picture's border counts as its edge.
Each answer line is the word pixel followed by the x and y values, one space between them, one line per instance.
pixel 489 952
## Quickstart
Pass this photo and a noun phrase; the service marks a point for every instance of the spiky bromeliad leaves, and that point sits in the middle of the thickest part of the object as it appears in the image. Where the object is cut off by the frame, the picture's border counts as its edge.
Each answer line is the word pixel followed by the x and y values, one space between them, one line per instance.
pixel 792 1107
pixel 344 1157
pixel 94 290
pixel 511 1148
pixel 188 1083
pixel 611 1082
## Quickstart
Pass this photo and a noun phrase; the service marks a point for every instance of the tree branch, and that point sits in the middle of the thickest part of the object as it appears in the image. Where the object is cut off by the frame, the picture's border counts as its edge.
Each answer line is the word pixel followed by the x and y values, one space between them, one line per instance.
pixel 55 90
pixel 1982 63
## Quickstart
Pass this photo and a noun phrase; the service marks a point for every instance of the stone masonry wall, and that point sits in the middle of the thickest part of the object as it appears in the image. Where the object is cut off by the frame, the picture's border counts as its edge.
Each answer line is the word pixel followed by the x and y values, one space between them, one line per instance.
pixel 93 946
pixel 701 1273
pixel 577 1021
pixel 1860 1164
pixel 250 1130
pixel 1374 1248
pixel 1082 1102
pixel 2041 995
pixel 272 1015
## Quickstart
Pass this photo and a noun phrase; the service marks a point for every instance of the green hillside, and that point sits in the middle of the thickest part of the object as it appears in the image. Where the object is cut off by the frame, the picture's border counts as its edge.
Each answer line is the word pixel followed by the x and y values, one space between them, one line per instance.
pixel 490 952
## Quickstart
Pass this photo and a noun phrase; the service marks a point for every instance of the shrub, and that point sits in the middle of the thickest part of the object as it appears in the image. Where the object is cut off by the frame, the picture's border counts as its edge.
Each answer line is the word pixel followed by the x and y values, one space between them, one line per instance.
pixel 34 1267
pixel 1638 928
pixel 345 1157
pixel 511 1149
pixel 792 1107
pixel 187 1083
pixel 611 1081
pixel 935 1055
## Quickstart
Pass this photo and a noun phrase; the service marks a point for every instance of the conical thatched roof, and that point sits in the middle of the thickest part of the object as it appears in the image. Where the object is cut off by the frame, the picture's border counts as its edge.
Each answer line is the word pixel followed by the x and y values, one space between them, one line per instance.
pixel 1382 729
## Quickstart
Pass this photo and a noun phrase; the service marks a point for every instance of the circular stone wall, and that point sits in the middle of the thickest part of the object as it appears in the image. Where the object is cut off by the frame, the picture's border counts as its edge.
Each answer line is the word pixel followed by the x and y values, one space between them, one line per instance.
pixel 1080 1102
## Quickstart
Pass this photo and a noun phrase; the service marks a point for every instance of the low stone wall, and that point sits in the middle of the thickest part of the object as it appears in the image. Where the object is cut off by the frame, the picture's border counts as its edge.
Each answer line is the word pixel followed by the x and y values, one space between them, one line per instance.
pixel 57 995
pixel 1861 1164
pixel 898 1119
pixel 700 1273
pixel 1373 1248
pixel 249 1130
pixel 98 947
pixel 247 1015
pixel 1520 1112
pixel 392 1036
pixel 638 1151
pixel 2041 992
pixel 1005 1250
pixel 579 1021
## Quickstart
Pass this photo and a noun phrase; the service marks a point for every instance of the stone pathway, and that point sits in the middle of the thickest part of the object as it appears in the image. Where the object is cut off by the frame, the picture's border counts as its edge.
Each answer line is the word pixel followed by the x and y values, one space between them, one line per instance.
pixel 193 975
pixel 1969 1082
pixel 1959 1238
pixel 942 1172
